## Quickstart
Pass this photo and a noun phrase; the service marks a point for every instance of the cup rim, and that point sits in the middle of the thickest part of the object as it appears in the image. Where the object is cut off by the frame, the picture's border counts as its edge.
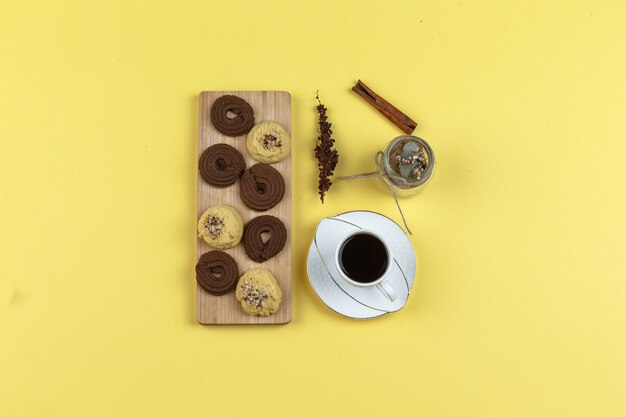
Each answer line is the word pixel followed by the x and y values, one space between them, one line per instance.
pixel 382 277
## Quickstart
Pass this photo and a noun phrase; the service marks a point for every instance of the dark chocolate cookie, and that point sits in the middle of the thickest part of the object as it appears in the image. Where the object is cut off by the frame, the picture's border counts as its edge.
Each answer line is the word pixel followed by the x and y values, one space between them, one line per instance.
pixel 259 249
pixel 262 187
pixel 217 272
pixel 238 125
pixel 221 165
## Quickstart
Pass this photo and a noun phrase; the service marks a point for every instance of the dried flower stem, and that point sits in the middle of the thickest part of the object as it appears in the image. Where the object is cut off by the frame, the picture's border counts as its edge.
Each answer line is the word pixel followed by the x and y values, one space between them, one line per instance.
pixel 327 157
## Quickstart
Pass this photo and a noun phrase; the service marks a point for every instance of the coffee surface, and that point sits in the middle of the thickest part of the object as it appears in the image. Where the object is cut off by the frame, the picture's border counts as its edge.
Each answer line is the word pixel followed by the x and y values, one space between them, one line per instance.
pixel 363 258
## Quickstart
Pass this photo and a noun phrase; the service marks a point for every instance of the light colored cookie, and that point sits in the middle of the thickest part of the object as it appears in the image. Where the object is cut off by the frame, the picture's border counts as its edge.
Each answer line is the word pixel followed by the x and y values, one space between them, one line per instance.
pixel 221 227
pixel 258 292
pixel 268 142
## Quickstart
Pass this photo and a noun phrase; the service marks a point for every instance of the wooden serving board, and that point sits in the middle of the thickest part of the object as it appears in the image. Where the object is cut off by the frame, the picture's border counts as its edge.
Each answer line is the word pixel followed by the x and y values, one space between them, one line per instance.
pixel 225 309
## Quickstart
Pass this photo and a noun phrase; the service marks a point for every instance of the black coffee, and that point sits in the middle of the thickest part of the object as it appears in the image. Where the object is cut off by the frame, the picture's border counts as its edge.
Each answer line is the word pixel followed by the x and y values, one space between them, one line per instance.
pixel 363 258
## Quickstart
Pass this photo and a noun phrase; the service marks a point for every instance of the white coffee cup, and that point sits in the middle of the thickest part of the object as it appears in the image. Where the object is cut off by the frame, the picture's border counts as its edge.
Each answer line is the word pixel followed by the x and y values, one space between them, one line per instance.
pixel 381 282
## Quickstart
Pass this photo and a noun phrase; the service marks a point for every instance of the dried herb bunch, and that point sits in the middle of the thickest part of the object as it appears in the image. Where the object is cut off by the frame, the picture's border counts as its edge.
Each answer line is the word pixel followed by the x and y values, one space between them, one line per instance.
pixel 327 157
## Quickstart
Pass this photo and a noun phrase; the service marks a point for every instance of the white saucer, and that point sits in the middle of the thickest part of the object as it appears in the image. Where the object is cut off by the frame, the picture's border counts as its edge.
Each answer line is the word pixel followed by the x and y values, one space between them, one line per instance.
pixel 343 297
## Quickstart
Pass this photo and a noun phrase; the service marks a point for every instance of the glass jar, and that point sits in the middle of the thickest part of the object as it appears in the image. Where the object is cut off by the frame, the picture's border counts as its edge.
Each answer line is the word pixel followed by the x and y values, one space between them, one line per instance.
pixel 413 184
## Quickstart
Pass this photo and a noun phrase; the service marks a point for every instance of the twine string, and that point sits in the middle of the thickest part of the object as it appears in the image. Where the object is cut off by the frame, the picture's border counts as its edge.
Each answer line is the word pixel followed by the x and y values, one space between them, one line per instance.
pixel 380 172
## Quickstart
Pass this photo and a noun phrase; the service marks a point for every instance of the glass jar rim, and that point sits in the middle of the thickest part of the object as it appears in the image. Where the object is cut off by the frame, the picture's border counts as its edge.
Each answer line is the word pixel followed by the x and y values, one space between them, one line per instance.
pixel 393 176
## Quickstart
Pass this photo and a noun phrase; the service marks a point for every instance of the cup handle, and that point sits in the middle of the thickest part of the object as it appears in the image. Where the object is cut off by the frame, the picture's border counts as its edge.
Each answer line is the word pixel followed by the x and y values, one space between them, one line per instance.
pixel 387 290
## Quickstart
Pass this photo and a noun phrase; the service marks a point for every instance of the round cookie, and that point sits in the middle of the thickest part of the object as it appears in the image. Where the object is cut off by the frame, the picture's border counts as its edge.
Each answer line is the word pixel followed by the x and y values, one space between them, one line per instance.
pixel 221 165
pixel 262 187
pixel 268 142
pixel 258 292
pixel 253 243
pixel 217 272
pixel 228 105
pixel 220 226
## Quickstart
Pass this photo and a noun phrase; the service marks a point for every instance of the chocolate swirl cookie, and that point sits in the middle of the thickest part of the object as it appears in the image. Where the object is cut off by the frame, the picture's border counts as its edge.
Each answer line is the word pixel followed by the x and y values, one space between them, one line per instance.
pixel 217 272
pixel 262 187
pixel 221 165
pixel 259 249
pixel 238 125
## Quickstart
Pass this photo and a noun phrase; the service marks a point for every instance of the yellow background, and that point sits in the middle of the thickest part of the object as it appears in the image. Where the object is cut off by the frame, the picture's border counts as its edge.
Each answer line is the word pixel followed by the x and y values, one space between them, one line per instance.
pixel 519 307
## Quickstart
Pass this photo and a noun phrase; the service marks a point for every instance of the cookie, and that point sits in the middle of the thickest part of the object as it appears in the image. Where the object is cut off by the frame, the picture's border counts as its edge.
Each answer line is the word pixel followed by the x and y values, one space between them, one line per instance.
pixel 268 142
pixel 232 116
pixel 259 249
pixel 217 272
pixel 220 226
pixel 221 165
pixel 258 292
pixel 262 187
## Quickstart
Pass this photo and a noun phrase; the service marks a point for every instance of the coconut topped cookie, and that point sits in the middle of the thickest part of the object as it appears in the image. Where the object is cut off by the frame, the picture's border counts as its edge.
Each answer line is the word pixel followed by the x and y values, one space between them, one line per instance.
pixel 221 227
pixel 258 292
pixel 268 142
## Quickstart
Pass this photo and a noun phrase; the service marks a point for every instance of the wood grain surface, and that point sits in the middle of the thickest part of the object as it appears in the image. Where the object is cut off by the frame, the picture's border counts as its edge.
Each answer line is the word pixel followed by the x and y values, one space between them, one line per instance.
pixel 225 309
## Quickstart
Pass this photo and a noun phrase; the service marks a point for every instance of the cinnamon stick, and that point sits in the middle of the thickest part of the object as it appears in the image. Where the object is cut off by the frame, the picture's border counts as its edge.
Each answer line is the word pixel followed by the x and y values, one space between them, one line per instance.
pixel 404 122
